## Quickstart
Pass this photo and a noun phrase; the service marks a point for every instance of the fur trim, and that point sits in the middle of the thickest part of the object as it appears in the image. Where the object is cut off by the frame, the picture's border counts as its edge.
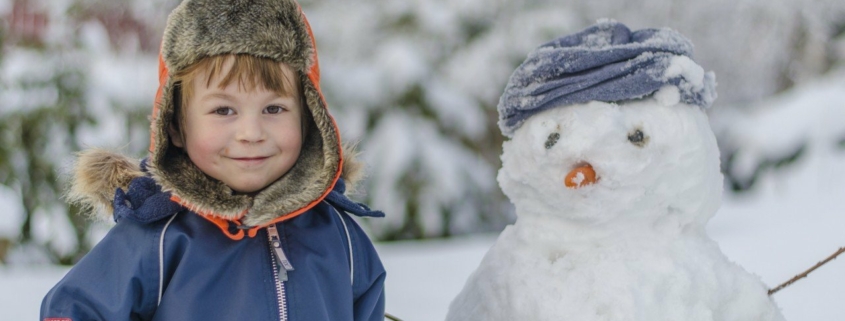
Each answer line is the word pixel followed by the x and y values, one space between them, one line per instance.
pixel 274 29
pixel 266 28
pixel 97 173
pixel 353 169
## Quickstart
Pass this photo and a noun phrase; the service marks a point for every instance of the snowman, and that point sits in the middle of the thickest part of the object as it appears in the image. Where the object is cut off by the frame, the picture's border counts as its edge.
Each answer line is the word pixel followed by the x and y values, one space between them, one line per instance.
pixel 614 172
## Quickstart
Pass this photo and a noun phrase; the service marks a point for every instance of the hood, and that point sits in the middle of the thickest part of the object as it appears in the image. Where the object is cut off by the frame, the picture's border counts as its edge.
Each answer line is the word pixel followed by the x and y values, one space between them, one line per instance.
pixel 196 29
pixel 272 29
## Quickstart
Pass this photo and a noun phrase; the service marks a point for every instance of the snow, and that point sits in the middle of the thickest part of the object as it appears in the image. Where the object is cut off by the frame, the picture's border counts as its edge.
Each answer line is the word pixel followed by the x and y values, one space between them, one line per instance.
pixel 387 75
pixel 53 226
pixel 456 109
pixel 684 66
pixel 810 114
pixel 668 95
pixel 12 214
pixel 693 79
pixel 28 67
pixel 787 224
pixel 435 158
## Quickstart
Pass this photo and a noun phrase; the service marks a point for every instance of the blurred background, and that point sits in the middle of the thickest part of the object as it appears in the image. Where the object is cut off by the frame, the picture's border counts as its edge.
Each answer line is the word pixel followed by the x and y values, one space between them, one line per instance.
pixel 416 83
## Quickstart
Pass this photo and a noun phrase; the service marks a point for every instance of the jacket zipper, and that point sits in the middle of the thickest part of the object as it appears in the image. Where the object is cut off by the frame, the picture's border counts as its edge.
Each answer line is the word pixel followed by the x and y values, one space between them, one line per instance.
pixel 280 273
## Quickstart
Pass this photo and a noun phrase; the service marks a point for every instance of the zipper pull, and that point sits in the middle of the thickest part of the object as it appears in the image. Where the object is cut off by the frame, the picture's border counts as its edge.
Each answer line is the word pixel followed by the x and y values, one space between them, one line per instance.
pixel 276 243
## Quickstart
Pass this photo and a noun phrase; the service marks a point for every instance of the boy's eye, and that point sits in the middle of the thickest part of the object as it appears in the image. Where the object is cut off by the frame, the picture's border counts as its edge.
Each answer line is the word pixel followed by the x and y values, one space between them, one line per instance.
pixel 274 109
pixel 224 111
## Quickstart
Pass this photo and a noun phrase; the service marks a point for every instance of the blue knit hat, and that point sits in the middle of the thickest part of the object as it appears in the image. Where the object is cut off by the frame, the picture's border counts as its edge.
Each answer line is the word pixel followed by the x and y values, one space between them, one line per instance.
pixel 605 62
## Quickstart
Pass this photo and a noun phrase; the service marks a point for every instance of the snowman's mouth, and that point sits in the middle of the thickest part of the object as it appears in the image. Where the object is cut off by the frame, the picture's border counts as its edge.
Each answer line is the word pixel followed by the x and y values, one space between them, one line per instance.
pixel 582 174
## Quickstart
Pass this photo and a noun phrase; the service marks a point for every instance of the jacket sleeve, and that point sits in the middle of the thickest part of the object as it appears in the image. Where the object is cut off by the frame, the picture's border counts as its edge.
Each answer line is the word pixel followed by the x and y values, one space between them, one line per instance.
pixel 368 276
pixel 117 280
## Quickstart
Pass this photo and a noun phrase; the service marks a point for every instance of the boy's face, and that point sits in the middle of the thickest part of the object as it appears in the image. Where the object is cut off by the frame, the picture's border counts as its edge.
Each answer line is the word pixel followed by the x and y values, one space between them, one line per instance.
pixel 245 138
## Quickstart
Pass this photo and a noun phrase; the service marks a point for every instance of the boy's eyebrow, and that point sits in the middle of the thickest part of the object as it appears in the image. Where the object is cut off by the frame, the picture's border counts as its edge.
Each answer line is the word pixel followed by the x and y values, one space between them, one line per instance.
pixel 221 95
pixel 225 96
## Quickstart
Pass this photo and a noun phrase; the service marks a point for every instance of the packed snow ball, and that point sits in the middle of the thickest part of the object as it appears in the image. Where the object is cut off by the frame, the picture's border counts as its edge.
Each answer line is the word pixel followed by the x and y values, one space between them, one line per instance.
pixel 630 246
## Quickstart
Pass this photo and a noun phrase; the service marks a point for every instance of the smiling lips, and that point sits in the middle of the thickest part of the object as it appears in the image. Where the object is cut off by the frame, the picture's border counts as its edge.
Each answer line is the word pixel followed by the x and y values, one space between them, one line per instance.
pixel 250 160
pixel 580 176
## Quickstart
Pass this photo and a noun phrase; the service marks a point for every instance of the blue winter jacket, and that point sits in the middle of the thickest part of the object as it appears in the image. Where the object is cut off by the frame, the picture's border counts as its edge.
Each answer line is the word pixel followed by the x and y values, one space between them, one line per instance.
pixel 179 266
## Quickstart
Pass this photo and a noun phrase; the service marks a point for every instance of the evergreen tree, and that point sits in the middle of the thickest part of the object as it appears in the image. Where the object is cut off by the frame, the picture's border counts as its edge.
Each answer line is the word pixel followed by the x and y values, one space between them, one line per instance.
pixel 56 101
pixel 417 83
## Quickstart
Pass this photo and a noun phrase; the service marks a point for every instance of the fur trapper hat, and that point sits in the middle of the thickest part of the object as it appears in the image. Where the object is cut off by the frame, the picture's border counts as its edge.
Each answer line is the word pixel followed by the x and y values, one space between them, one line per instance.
pixel 275 29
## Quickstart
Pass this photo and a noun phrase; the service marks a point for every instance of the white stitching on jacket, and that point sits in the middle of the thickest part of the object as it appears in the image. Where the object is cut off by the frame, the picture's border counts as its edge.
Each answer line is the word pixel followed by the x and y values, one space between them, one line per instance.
pixel 349 241
pixel 161 259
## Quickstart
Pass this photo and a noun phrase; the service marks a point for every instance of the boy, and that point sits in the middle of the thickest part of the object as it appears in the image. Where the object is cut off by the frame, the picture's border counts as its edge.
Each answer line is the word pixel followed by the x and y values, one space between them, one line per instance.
pixel 238 214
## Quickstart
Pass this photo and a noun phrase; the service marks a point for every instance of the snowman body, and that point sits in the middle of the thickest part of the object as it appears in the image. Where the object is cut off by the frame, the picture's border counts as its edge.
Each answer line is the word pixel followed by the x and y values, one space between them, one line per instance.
pixel 631 245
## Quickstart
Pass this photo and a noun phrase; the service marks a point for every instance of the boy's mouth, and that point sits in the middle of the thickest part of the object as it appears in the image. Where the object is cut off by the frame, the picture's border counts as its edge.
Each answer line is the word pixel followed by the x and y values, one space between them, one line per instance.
pixel 250 161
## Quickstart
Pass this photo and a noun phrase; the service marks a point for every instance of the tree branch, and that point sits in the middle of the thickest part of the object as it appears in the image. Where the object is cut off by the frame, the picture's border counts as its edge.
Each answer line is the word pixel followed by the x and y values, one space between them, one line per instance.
pixel 804 275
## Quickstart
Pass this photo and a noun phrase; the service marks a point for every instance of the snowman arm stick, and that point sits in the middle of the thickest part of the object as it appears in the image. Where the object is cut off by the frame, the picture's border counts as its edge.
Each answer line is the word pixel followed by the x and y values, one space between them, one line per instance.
pixel 803 275
pixel 391 317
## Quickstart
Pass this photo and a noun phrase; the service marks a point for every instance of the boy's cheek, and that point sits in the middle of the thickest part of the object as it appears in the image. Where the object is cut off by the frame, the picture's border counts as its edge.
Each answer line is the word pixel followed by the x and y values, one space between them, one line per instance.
pixel 205 143
pixel 204 149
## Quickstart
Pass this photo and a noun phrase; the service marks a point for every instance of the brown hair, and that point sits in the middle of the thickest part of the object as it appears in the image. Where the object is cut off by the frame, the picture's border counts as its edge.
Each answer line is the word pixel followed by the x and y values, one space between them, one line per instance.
pixel 248 70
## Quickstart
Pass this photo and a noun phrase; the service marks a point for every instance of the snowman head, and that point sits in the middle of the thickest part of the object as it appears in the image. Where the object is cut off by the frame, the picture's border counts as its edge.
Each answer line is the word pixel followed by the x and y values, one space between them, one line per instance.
pixel 608 125
pixel 652 161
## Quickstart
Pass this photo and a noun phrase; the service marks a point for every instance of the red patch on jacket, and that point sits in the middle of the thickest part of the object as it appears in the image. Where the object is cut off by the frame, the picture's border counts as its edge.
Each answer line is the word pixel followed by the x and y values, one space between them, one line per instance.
pixel 58 319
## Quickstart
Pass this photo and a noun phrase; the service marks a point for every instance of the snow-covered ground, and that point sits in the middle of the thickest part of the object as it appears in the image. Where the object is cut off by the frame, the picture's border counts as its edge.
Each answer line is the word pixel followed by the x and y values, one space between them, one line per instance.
pixel 792 221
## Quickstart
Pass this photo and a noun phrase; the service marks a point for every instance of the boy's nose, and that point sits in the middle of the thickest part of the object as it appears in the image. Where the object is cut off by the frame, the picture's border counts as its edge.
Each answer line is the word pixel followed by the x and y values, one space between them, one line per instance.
pixel 250 130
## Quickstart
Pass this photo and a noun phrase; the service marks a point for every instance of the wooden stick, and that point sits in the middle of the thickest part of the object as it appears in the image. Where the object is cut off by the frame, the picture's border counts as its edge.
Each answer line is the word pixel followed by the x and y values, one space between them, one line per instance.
pixel 804 275
pixel 391 317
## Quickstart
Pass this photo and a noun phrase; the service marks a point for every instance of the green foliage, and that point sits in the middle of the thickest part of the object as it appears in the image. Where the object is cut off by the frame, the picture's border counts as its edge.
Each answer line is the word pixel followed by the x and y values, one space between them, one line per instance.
pixel 34 139
pixel 51 108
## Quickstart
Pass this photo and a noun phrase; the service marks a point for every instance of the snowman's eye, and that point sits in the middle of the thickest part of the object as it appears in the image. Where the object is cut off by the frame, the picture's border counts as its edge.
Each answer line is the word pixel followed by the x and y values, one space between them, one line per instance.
pixel 637 138
pixel 552 140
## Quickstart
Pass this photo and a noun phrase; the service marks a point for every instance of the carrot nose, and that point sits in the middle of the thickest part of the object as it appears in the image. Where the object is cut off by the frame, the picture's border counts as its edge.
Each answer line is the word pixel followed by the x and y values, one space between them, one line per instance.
pixel 580 176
